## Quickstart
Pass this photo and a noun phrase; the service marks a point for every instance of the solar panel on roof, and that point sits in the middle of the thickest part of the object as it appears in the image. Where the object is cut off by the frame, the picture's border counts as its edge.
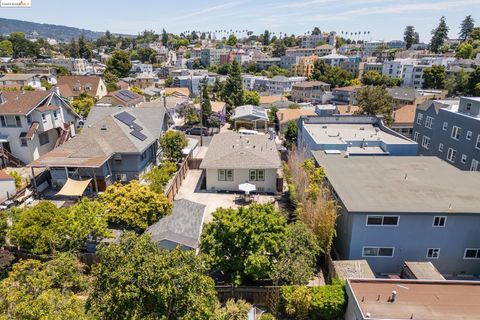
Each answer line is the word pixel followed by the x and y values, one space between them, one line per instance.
pixel 125 117
pixel 136 127
pixel 137 134
pixel 122 97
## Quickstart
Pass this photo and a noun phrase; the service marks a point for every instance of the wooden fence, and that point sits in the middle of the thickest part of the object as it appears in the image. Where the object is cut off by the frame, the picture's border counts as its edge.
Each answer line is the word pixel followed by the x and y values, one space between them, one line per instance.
pixel 194 163
pixel 175 184
pixel 263 296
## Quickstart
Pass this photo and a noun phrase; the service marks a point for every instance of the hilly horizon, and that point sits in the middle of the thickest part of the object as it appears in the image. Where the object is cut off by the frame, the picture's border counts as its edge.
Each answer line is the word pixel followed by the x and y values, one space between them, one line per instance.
pixel 45 30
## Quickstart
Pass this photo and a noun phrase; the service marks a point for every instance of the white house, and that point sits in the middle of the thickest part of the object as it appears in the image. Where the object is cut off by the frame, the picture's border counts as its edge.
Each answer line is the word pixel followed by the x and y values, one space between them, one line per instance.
pixel 20 80
pixel 233 159
pixel 33 123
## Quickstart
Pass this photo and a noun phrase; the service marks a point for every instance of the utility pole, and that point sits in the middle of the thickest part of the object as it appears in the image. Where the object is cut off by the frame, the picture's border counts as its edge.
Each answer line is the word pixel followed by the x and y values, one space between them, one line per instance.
pixel 200 89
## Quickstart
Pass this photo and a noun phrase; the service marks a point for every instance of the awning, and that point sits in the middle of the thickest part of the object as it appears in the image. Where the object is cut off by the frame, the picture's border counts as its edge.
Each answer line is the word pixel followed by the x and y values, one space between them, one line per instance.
pixel 247 187
pixel 74 188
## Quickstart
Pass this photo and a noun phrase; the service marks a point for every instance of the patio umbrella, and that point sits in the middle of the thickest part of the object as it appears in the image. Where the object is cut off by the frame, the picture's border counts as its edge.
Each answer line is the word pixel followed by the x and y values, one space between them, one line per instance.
pixel 247 187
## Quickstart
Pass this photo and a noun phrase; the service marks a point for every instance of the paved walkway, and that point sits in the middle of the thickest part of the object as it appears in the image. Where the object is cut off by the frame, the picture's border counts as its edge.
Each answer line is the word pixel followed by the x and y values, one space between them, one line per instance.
pixel 190 191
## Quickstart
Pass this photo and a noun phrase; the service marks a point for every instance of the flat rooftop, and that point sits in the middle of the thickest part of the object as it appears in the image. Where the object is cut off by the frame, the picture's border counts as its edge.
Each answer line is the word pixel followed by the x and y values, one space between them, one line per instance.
pixel 401 184
pixel 342 133
pixel 358 269
pixel 417 299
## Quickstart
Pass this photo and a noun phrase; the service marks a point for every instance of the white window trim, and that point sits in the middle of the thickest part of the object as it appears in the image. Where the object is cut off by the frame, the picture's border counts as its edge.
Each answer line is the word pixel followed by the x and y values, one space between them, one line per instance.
pixel 434 258
pixel 426 142
pixel 375 247
pixel 477 144
pixel 445 126
pixel 433 222
pixel 451 160
pixel 419 118
pixel 382 225
pixel 463 158
pixel 428 122
pixel 465 253
pixel 469 135
pixel 440 147
pixel 453 129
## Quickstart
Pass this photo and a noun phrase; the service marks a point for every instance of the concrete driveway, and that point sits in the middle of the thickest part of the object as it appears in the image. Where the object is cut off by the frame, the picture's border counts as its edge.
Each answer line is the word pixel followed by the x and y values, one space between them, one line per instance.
pixel 190 190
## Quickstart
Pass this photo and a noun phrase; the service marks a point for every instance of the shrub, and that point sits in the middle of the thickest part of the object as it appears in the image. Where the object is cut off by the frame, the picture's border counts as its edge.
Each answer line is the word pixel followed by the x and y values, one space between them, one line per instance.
pixel 18 179
pixel 296 301
pixel 328 302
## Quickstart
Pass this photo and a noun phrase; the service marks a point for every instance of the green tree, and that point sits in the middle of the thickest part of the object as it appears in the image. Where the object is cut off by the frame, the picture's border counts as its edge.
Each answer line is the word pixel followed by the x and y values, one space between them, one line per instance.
pixel 464 51
pixel 439 35
pixel 136 90
pixel 158 177
pixel 73 50
pixel 279 48
pixel 119 63
pixel 409 36
pixel 45 84
pixel 296 301
pixel 164 38
pixel 298 257
pixel 290 134
pixel 172 143
pixel 134 205
pixel 251 97
pixel 232 40
pixel 205 104
pixel 237 241
pixel 374 100
pixel 335 76
pixel 84 50
pixel 5 216
pixel 45 229
pixel 111 80
pixel 328 302
pixel 458 83
pixel 135 279
pixel 17 178
pixel 474 34
pixel 22 47
pixel 434 77
pixel 168 81
pixel 466 27
pixel 36 290
pixel 217 89
pixel 6 48
pixel 83 104
pixel 233 88
pixel 190 114
pixel 473 82
pixel 373 78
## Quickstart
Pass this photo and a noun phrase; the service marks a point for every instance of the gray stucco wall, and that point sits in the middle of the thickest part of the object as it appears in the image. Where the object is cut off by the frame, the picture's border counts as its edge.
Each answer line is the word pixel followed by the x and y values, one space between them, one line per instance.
pixel 411 239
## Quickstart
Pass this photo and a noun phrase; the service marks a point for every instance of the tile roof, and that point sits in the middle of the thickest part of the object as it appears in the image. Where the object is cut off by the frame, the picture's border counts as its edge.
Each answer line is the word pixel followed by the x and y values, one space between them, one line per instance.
pixel 21 102
pixel 5 176
pixel 347 109
pixel 175 91
pixel 286 115
pixel 66 85
pixel 271 99
pixel 234 151
pixel 183 226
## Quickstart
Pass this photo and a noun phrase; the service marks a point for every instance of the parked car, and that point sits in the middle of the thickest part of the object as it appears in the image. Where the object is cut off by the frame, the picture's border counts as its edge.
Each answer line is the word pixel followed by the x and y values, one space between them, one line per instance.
pixel 196 131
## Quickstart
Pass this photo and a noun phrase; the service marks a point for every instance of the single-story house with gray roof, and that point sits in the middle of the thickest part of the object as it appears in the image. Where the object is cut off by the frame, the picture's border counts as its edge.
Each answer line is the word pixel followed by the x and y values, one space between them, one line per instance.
pixel 233 159
pixel 182 228
pixel 250 117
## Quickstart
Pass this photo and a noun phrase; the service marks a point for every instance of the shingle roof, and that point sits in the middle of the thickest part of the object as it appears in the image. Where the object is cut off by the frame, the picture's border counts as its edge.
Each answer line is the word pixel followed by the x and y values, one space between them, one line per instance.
pixel 66 85
pixel 16 77
pixel 233 151
pixel 403 93
pixel 183 226
pixel 405 114
pixel 21 102
pixel 250 112
pixel 287 115
pixel 308 84
pixel 104 135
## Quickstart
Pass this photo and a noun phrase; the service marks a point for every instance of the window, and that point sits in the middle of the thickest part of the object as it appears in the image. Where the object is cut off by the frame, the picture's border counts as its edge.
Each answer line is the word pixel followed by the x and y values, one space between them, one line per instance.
pixel 23 142
pixel 18 121
pixel 429 122
pixel 463 159
pixel 451 154
pixel 55 114
pixel 425 142
pixel 117 158
pixel 439 221
pixel 11 121
pixel 469 135
pixel 440 147
pixel 29 119
pixel 475 166
pixel 445 126
pixel 419 118
pixel 471 253
pixel 4 122
pixel 456 132
pixel 477 145
pixel 433 253
pixel 257 175
pixel 44 117
pixel 415 136
pixel 382 220
pixel 121 177
pixel 377 252
pixel 225 175
pixel 43 138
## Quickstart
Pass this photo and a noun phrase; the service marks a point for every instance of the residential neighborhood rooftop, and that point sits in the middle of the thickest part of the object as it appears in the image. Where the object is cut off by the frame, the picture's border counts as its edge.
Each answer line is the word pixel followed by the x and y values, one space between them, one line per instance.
pixel 231 150
pixel 401 184
pixel 21 102
pixel 416 299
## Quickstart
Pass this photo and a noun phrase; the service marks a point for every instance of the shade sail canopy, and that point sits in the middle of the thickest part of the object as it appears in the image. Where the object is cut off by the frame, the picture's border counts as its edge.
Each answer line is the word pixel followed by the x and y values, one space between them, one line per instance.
pixel 247 187
pixel 74 188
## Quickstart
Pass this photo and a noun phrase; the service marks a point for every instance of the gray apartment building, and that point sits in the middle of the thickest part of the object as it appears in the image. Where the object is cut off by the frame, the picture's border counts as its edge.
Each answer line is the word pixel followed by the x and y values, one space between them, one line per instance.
pixel 450 130
pixel 396 209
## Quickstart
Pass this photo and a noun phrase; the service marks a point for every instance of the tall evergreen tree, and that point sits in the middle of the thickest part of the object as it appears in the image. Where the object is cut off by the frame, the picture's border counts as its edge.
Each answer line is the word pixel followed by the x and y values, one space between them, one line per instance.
pixel 73 49
pixel 164 37
pixel 266 38
pixel 83 50
pixel 205 105
pixel 439 35
pixel 417 38
pixel 233 89
pixel 409 36
pixel 466 27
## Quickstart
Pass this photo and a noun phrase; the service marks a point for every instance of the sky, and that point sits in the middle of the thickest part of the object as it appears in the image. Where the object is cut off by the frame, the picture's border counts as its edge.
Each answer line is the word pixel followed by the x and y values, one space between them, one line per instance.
pixel 385 19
